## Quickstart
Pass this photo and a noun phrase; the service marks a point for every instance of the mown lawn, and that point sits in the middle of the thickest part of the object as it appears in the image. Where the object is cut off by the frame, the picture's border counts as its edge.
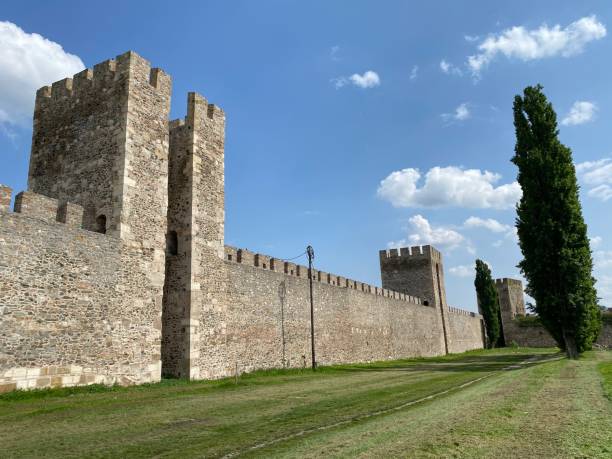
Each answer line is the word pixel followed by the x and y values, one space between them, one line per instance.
pixel 500 403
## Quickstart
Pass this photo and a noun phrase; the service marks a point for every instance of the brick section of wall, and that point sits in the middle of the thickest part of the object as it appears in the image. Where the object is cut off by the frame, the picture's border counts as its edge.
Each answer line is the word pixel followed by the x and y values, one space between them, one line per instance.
pixel 71 308
pixel 267 320
pixel 268 324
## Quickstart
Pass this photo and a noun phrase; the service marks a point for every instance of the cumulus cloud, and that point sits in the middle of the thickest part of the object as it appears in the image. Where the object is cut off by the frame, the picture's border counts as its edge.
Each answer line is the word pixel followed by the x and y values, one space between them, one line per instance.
pixel 595 241
pixel 448 187
pixel 27 62
pixel 368 79
pixel 597 176
pixel 421 232
pixel 487 223
pixel 581 112
pixel 449 68
pixel 461 113
pixel 462 271
pixel 543 42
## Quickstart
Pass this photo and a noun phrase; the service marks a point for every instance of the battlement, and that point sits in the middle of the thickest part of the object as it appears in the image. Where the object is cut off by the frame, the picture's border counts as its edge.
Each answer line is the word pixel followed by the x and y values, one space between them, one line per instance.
pixel 102 76
pixel 419 251
pixel 462 312
pixel 508 281
pixel 50 210
pixel 266 262
pixel 198 112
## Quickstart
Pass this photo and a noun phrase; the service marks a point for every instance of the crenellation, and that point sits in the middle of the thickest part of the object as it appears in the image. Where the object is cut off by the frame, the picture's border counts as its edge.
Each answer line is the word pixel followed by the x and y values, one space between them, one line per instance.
pixel 82 82
pixel 61 88
pixel 70 214
pixel 36 206
pixel 290 268
pixel 262 261
pixel 176 124
pixel 104 72
pixel 231 253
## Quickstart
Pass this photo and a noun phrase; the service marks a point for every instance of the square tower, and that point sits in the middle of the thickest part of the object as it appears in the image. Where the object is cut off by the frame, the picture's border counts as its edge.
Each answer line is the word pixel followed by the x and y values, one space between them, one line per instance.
pixel 100 140
pixel 417 271
pixel 194 286
pixel 511 298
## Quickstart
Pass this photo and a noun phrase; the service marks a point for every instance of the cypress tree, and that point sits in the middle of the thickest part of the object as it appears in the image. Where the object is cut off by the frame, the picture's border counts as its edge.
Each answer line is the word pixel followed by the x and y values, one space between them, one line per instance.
pixel 488 303
pixel 557 260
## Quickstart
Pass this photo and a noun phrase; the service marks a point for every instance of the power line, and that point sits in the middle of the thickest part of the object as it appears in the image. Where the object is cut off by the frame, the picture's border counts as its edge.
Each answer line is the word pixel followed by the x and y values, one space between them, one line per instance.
pixel 297 256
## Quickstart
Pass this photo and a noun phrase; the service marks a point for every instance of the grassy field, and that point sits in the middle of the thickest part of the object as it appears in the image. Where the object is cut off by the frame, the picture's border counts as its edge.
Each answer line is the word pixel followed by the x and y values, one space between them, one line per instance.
pixel 501 403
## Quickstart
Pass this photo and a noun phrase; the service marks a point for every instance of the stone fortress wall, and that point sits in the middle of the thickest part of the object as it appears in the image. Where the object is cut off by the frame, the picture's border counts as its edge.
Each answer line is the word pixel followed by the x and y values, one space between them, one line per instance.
pixel 512 308
pixel 114 267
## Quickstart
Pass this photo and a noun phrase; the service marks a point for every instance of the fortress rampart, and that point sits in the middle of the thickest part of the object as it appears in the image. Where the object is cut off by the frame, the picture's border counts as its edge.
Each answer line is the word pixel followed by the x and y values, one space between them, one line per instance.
pixel 114 267
pixel 512 308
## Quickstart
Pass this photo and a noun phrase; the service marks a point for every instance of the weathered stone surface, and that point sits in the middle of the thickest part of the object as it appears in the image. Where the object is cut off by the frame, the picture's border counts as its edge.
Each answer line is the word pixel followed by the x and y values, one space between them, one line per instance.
pixel 114 267
pixel 512 306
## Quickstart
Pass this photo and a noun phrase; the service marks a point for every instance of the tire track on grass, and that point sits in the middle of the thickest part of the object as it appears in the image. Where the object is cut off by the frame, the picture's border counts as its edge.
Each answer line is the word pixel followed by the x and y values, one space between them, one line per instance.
pixel 372 414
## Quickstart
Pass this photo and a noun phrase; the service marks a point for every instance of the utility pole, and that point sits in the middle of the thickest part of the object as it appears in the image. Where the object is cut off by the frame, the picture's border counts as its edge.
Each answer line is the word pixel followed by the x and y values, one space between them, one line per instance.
pixel 310 253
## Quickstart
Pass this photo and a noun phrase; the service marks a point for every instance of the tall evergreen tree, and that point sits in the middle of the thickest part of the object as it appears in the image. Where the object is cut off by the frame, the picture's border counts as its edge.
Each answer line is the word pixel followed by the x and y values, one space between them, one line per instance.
pixel 557 260
pixel 488 303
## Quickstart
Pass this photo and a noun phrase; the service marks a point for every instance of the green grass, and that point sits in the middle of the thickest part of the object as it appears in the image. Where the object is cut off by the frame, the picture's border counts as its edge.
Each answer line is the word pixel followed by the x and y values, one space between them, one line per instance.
pixel 605 368
pixel 175 418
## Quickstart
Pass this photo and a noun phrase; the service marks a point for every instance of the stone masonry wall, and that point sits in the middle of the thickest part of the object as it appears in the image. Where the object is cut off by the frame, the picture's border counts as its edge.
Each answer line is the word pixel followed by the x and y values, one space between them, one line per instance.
pixel 465 331
pixel 267 320
pixel 68 315
pixel 512 307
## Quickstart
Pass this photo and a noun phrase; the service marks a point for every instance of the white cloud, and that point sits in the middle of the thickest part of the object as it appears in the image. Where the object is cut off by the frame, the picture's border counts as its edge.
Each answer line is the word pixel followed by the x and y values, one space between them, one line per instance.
pixel 449 68
pixel 595 241
pixel 369 79
pixel 597 176
pixel 488 223
pixel 526 45
pixel 462 113
pixel 462 271
pixel 28 61
pixel 602 259
pixel 423 233
pixel 601 192
pixel 448 186
pixel 414 73
pixel 581 112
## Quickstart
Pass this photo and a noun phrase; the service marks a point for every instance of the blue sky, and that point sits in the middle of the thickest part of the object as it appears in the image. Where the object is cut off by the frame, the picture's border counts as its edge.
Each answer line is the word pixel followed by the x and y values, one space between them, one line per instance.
pixel 352 126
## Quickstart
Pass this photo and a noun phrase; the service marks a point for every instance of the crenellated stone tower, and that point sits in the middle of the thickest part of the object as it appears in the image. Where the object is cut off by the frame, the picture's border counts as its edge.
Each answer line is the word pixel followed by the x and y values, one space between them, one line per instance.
pixel 100 140
pixel 194 268
pixel 417 271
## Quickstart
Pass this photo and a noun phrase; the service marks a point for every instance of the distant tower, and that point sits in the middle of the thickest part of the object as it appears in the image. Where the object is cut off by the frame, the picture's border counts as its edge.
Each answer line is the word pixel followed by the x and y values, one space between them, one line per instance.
pixel 417 271
pixel 511 302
